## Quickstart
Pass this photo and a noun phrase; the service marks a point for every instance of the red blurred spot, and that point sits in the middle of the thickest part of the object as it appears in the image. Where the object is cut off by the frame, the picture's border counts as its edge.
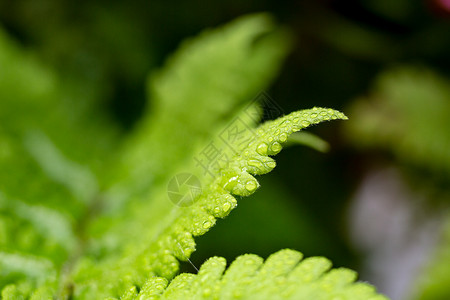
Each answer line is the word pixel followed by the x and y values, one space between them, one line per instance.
pixel 440 7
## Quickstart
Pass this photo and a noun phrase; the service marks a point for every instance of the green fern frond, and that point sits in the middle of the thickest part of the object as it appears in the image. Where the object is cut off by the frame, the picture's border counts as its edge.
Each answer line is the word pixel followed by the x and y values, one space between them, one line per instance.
pixel 234 177
pixel 55 249
pixel 47 179
pixel 284 275
pixel 202 85
pixel 188 107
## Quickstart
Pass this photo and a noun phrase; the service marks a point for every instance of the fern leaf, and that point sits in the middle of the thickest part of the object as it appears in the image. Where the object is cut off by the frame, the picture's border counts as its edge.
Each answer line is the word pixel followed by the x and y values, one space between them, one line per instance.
pixel 176 242
pixel 188 106
pixel 235 178
pixel 243 56
pixel 49 164
pixel 52 249
pixel 284 275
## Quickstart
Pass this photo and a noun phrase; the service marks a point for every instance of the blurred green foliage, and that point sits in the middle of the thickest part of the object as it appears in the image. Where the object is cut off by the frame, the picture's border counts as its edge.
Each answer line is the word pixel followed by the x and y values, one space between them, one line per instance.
pixel 406 117
pixel 407 114
pixel 434 283
pixel 99 223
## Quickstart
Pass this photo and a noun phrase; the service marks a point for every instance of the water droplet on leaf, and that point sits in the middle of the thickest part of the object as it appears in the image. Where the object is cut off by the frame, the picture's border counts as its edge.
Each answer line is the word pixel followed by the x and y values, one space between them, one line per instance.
pixel 262 149
pixel 275 148
pixel 251 186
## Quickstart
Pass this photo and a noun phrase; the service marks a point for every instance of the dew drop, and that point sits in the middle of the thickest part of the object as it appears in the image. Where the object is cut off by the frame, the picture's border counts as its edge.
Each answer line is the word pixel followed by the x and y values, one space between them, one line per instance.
pixel 255 163
pixel 275 147
pixel 226 206
pixel 262 149
pixel 251 186
pixel 206 224
pixel 285 124
pixel 305 123
pixel 231 183
pixel 283 137
pixel 313 116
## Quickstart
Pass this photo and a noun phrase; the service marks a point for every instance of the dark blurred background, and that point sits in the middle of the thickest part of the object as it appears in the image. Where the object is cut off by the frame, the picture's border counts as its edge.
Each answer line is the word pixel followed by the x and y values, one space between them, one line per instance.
pixel 308 201
pixel 340 45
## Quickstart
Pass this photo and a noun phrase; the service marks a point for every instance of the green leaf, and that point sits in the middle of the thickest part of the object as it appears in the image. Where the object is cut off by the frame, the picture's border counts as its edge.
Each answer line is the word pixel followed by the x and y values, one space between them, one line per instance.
pixel 159 254
pixel 284 275
pixel 84 229
pixel 49 165
pixel 198 91
pixel 188 107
